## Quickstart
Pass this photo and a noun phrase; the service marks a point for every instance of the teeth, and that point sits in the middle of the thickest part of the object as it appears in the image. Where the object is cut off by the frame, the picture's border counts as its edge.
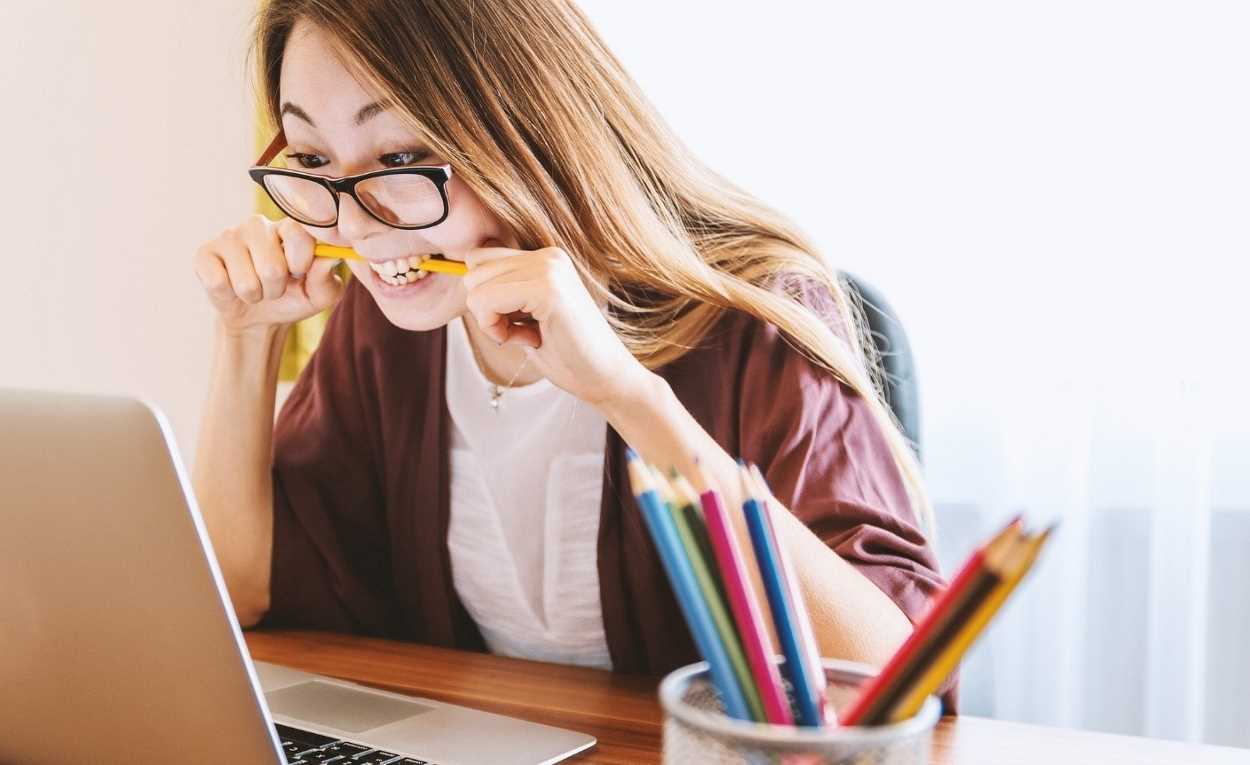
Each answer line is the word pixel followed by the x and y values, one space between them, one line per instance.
pixel 401 271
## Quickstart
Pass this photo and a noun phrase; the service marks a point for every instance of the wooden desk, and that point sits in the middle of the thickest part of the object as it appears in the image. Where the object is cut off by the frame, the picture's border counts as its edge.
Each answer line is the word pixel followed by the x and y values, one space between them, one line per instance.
pixel 623 713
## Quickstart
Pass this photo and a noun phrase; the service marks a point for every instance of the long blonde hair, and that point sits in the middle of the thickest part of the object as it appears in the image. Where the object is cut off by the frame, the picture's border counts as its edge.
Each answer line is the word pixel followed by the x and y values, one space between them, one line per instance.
pixel 542 122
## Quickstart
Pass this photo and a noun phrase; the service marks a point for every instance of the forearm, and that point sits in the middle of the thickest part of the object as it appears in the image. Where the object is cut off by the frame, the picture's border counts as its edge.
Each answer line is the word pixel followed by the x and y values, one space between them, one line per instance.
pixel 852 618
pixel 232 475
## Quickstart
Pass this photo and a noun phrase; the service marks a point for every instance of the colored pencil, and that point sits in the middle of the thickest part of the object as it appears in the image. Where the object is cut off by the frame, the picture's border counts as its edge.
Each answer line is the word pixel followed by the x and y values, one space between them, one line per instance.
pixel 686 519
pixel 875 696
pixel 1021 561
pixel 439 265
pixel 747 613
pixel 807 638
pixel 681 577
pixel 807 702
pixel 691 509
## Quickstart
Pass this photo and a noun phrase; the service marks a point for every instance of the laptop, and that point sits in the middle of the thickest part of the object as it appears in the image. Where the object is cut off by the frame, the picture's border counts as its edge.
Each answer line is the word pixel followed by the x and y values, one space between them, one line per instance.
pixel 118 643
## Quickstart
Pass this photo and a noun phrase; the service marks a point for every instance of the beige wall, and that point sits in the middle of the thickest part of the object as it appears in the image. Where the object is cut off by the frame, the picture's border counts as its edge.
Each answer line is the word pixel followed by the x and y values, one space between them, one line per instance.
pixel 126 133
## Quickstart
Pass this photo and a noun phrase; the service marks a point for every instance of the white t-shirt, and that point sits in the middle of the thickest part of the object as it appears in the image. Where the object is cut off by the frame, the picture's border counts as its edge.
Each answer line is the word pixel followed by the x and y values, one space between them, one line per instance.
pixel 526 485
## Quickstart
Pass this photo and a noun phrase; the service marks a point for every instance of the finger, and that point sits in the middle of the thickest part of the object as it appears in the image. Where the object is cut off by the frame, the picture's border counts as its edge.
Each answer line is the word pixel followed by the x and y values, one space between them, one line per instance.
pixel 518 269
pixel 526 334
pixel 297 247
pixel 243 279
pixel 519 266
pixel 211 272
pixel 480 255
pixel 322 285
pixel 492 304
pixel 268 261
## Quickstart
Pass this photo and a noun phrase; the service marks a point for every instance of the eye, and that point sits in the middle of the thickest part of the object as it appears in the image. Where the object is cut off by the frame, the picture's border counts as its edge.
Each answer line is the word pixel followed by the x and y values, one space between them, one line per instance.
pixel 307 161
pixel 403 158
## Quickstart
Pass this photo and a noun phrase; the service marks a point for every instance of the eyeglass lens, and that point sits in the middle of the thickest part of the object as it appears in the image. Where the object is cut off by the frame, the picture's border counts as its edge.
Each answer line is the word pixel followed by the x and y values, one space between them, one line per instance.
pixel 402 199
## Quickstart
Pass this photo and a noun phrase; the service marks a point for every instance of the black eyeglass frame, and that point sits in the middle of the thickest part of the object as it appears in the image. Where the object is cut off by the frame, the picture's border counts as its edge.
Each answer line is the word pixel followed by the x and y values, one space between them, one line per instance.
pixel 439 175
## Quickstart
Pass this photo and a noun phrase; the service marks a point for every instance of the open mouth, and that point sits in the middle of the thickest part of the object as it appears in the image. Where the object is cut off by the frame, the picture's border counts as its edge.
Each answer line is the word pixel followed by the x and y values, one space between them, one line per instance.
pixel 403 271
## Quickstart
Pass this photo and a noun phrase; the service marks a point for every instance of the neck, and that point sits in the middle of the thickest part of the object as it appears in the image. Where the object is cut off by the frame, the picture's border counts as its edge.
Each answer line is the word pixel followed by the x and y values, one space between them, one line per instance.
pixel 499 363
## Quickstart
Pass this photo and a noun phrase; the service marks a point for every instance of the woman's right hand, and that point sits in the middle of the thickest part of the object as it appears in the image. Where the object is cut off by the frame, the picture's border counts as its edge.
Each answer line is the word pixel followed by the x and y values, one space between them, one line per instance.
pixel 262 273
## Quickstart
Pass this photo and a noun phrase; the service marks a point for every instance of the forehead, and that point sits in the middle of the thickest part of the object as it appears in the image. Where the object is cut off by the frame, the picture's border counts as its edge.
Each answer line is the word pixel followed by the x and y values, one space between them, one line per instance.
pixel 315 78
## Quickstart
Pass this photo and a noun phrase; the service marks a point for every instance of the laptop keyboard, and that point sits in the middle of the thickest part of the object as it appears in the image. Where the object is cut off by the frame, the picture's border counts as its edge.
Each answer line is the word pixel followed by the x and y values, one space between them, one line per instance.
pixel 303 747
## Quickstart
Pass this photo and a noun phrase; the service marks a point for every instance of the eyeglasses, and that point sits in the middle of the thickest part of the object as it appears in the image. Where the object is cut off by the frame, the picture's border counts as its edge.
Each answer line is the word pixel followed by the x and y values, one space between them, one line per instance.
pixel 401 197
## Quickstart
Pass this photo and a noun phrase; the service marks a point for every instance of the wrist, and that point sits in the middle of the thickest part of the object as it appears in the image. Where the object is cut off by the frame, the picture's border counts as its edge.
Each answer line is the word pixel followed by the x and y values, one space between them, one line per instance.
pixel 258 335
pixel 253 353
pixel 633 395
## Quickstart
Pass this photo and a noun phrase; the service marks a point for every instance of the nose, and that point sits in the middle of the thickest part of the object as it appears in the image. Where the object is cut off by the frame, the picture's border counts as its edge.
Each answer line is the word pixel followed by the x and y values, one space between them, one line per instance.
pixel 354 223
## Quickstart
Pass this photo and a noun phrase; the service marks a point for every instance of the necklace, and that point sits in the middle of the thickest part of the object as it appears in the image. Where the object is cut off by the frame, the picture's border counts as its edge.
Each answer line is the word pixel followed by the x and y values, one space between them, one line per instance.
pixel 495 389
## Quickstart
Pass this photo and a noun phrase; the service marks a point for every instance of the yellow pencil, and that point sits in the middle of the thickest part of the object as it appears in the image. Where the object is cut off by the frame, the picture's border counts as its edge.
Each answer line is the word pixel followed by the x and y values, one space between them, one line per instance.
pixel 453 267
pixel 946 661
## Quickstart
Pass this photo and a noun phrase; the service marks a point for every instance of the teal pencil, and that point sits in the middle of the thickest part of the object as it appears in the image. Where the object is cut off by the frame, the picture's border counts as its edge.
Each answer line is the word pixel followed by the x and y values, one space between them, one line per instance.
pixel 717 605
pixel 677 566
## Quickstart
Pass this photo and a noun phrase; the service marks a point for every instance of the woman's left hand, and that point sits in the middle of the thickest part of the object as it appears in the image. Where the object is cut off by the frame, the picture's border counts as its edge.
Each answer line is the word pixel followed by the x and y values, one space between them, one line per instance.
pixel 572 343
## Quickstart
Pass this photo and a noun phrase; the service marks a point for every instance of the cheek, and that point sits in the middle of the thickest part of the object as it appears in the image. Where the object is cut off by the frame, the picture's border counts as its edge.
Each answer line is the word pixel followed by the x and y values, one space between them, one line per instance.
pixel 468 221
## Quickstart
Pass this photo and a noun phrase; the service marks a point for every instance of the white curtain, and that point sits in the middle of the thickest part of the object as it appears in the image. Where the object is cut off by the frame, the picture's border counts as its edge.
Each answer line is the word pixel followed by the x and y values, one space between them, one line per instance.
pixel 1054 196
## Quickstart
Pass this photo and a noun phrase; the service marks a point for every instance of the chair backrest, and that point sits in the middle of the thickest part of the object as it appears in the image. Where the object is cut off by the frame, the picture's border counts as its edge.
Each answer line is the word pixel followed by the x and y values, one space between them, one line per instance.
pixel 898 369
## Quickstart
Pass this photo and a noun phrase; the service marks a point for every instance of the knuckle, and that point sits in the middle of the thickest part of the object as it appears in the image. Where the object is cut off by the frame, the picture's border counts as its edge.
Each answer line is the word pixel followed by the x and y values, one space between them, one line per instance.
pixel 250 291
pixel 212 281
pixel 290 231
pixel 257 222
pixel 269 273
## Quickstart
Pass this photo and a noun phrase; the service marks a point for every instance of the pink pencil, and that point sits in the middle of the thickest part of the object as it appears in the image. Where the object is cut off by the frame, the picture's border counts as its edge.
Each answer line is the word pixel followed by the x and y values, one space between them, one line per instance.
pixel 746 611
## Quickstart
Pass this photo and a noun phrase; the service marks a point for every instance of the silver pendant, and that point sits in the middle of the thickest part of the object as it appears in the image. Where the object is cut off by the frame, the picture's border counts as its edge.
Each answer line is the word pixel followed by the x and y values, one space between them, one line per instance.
pixel 495 395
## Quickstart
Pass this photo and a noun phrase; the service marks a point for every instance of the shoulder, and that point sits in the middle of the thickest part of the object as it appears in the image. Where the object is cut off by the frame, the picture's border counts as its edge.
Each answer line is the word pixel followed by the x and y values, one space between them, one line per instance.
pixel 751 384
pixel 740 342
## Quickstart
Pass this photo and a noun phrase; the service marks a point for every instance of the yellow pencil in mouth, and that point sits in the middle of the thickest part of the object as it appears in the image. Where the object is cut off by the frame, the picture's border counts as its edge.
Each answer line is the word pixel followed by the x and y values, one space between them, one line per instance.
pixel 437 264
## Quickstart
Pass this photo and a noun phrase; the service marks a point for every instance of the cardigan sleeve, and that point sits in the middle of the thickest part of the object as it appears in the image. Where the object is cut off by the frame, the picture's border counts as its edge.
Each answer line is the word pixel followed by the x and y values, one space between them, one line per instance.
pixel 825 456
pixel 329 550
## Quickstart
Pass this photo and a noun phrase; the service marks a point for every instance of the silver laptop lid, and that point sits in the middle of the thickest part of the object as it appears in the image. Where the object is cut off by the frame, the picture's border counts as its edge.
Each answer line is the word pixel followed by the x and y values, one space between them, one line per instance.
pixel 117 639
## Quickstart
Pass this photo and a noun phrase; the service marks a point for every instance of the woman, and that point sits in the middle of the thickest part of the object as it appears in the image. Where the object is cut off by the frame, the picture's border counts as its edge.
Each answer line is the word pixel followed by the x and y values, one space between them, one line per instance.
pixel 449 467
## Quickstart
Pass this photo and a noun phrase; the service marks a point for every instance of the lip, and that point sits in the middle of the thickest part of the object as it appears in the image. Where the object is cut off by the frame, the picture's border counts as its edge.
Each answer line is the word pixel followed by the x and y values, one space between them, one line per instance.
pixel 435 255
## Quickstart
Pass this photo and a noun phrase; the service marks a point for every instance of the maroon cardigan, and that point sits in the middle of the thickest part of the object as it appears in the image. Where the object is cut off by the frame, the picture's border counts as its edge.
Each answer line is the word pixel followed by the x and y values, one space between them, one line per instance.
pixel 361 506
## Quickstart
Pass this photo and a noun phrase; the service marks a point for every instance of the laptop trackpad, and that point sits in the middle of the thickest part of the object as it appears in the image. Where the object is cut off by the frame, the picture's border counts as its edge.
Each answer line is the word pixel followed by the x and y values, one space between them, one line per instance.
pixel 338 707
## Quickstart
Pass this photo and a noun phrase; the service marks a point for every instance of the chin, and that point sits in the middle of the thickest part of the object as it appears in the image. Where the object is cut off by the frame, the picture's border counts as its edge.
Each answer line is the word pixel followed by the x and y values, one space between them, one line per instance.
pixel 424 305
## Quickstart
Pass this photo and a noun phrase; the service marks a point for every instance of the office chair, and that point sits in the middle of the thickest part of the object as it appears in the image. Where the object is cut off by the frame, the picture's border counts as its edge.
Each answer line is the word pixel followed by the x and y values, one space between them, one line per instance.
pixel 898 369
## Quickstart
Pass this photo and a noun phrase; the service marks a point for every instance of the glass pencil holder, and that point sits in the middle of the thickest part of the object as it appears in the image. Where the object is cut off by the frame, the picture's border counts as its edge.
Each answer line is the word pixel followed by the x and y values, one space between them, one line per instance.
pixel 696 729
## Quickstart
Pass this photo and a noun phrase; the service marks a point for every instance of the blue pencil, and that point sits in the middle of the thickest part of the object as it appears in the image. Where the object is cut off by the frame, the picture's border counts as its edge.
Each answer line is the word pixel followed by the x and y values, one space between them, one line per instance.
pixel 808 704
pixel 689 598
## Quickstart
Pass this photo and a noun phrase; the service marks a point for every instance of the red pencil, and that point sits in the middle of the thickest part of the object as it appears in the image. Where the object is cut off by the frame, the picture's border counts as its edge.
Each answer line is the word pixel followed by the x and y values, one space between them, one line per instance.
pixel 875 690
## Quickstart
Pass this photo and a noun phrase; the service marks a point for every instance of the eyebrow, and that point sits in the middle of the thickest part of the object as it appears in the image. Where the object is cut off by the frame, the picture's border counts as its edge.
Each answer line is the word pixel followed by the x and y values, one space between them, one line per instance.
pixel 366 113
pixel 370 111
